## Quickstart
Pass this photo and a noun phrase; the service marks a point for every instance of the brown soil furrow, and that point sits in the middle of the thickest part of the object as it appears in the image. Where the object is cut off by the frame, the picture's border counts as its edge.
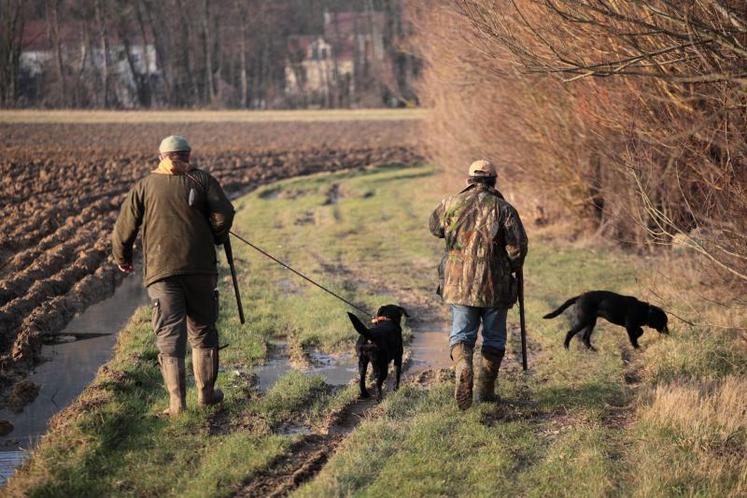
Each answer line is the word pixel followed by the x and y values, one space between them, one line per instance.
pixel 42 262
pixel 43 290
pixel 53 314
pixel 32 232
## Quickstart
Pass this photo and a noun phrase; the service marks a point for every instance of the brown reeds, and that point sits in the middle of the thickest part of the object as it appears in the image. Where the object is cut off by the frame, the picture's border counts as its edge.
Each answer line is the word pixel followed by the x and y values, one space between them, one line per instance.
pixel 628 117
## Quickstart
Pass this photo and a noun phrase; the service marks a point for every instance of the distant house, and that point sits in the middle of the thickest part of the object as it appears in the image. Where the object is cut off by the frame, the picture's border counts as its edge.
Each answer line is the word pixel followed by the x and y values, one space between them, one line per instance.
pixel 341 61
pixel 83 57
pixel 312 67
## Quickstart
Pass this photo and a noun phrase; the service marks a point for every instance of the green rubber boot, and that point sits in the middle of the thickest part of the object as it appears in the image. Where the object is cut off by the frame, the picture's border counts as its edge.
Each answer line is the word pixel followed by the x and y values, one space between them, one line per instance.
pixel 205 365
pixel 172 370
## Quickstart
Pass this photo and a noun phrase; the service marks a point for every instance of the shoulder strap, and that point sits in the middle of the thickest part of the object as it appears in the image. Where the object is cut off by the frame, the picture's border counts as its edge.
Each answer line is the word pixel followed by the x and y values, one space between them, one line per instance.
pixel 197 181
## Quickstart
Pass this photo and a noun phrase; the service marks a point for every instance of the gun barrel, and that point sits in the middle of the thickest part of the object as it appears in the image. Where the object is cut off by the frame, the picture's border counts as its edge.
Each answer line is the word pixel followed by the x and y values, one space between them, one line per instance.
pixel 229 259
pixel 522 319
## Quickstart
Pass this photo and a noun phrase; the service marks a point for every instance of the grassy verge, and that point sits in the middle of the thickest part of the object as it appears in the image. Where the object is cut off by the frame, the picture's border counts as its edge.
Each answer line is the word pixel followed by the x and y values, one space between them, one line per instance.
pixel 666 420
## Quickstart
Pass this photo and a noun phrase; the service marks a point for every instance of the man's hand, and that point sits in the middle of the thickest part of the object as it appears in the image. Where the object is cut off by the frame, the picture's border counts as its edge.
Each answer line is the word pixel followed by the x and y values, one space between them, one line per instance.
pixel 125 267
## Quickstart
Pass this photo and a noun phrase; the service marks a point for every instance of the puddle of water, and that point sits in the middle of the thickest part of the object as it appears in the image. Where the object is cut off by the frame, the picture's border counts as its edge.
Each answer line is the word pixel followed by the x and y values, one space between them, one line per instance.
pixel 337 370
pixel 72 365
pixel 430 347
pixel 295 430
pixel 9 461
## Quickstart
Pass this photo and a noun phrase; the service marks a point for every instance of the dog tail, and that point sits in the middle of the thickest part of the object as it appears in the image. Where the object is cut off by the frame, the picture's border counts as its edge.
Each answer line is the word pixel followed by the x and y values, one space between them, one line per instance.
pixel 362 329
pixel 562 308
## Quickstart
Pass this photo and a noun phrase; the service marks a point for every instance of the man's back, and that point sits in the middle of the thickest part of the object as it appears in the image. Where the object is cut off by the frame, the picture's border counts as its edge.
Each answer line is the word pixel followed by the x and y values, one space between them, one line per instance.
pixel 181 217
pixel 485 243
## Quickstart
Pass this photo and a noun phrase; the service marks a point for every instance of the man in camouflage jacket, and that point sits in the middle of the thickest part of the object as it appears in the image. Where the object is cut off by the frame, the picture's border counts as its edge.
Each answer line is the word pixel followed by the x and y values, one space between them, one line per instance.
pixel 485 244
pixel 183 212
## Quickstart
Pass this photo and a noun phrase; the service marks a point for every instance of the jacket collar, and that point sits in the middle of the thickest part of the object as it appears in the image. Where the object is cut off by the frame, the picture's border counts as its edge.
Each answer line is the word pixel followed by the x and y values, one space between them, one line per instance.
pixel 480 186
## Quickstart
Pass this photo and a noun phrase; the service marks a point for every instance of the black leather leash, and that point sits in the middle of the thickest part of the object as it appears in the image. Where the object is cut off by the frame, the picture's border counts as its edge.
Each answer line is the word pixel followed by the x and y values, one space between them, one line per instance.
pixel 265 253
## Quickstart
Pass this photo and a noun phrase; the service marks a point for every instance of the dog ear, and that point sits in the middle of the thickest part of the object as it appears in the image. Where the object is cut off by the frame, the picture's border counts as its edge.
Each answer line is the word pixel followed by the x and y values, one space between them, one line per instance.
pixel 404 311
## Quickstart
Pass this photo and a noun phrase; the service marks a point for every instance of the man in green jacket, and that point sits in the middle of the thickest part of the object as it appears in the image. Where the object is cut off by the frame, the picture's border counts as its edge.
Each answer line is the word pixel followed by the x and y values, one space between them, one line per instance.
pixel 485 244
pixel 184 213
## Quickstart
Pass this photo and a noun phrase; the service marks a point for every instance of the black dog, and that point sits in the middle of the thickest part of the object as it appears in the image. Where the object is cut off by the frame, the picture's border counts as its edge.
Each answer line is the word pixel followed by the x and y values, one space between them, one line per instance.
pixel 620 310
pixel 380 344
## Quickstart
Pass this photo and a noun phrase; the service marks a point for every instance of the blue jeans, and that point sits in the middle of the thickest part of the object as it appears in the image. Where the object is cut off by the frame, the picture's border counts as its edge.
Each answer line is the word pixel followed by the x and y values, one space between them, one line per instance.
pixel 466 321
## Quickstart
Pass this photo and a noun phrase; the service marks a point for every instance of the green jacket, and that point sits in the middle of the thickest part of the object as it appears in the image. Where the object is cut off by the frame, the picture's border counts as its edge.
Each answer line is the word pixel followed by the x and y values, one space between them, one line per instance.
pixel 178 239
pixel 485 243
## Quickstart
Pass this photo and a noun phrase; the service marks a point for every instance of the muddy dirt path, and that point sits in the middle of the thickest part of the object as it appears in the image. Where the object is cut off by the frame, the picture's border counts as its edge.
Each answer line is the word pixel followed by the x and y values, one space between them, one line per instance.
pixel 426 362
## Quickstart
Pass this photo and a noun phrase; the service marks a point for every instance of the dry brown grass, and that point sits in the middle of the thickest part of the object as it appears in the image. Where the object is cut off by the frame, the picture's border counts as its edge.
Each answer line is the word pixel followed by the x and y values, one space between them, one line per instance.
pixel 715 412
pixel 693 436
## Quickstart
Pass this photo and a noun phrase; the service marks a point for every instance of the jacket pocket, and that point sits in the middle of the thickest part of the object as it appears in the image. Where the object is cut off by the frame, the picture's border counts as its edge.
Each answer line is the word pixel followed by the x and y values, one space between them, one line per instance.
pixel 441 268
pixel 157 317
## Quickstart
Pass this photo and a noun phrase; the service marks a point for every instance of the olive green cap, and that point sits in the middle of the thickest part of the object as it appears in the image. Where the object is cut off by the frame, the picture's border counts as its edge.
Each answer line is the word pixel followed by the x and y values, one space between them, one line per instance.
pixel 174 143
pixel 482 168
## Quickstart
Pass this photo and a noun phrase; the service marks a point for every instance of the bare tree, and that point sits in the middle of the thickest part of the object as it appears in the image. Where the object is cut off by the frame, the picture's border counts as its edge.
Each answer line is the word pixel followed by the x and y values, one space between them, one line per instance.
pixel 12 19
pixel 53 25
pixel 241 9
pixel 101 12
pixel 208 48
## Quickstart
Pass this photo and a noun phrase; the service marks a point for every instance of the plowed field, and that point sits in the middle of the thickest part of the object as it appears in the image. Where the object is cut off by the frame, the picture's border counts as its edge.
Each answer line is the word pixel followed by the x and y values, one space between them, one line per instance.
pixel 62 185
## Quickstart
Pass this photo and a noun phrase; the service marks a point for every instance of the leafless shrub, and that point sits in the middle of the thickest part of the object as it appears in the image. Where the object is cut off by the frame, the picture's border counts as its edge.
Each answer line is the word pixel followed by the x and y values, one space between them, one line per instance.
pixel 627 115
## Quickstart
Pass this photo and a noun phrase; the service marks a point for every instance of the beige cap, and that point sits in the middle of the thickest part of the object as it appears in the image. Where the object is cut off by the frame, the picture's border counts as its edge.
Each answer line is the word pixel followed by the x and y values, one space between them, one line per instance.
pixel 174 143
pixel 482 168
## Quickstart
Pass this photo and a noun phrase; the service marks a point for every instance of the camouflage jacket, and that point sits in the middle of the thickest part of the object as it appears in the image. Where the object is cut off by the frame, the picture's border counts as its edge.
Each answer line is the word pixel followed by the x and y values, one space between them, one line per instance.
pixel 485 243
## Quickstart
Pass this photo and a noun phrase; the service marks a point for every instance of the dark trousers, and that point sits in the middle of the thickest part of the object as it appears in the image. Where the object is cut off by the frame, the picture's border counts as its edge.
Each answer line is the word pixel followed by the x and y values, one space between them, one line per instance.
pixel 184 306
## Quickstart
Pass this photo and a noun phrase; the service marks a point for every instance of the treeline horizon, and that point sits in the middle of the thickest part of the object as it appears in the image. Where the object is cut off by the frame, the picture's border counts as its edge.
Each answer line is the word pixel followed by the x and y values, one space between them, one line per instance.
pixel 230 54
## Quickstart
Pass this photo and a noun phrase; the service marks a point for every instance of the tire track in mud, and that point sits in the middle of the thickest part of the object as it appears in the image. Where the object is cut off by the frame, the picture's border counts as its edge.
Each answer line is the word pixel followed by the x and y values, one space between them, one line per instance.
pixel 308 456
pixel 55 242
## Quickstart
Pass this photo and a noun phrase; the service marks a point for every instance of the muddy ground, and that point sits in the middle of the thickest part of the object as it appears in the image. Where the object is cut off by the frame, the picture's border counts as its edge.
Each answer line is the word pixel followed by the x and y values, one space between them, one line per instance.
pixel 62 186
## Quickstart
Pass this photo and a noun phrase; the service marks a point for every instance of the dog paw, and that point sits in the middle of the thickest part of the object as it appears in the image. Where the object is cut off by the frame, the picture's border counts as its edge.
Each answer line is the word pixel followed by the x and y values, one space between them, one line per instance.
pixel 364 395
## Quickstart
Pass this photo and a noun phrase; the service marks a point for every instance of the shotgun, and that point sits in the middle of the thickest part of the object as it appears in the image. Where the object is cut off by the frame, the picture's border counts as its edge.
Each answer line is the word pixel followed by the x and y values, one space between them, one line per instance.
pixel 229 258
pixel 522 319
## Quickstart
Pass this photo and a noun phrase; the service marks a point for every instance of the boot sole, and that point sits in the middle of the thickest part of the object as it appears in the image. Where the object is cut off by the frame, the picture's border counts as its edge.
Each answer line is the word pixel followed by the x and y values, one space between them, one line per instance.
pixel 463 392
